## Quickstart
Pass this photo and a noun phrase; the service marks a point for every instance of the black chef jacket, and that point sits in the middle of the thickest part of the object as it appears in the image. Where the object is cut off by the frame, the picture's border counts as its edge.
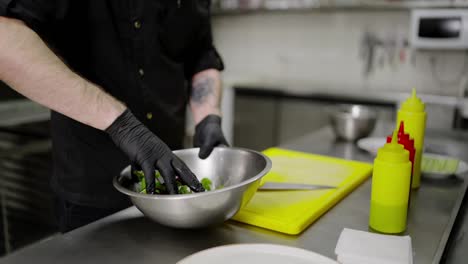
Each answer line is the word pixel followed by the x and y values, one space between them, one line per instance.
pixel 143 52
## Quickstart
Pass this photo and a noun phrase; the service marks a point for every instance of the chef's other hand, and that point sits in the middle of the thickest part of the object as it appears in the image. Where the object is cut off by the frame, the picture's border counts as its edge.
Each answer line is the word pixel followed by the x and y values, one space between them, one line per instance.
pixel 150 153
pixel 208 134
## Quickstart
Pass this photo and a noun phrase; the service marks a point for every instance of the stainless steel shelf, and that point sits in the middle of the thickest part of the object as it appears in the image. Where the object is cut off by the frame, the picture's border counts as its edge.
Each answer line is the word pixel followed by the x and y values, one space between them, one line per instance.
pixel 241 6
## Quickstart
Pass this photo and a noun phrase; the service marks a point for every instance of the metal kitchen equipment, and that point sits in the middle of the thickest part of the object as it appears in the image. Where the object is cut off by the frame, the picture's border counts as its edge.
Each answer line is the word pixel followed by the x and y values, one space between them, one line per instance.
pixel 238 170
pixel 437 204
pixel 352 122
pixel 439 29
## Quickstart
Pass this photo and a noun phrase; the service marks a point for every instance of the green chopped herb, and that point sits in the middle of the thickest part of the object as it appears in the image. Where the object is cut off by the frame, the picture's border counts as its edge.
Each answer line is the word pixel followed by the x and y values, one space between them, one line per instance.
pixel 183 189
pixel 139 174
pixel 206 183
pixel 160 188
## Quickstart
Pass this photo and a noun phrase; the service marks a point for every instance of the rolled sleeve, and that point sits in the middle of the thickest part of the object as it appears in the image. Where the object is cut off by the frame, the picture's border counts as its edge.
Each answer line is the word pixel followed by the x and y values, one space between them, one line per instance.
pixel 204 55
pixel 35 13
pixel 208 59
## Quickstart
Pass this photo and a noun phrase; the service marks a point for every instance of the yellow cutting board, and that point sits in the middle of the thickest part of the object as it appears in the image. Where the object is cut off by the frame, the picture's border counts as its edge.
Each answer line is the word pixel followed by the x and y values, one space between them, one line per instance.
pixel 291 212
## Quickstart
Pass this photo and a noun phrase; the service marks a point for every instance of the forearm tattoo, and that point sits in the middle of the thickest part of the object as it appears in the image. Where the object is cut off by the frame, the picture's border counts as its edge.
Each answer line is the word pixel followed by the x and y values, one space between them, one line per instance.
pixel 202 89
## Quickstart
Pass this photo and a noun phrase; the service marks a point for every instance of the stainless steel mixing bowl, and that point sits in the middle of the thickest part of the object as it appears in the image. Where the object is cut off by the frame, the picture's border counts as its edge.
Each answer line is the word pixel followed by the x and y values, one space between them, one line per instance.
pixel 238 170
pixel 352 122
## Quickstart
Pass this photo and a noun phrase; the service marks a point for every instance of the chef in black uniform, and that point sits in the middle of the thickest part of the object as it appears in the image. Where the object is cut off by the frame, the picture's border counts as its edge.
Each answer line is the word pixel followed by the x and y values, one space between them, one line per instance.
pixel 118 76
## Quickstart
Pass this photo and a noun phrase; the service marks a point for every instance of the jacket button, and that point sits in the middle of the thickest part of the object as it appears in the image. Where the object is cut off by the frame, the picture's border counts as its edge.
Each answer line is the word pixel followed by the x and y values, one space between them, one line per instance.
pixel 149 115
pixel 137 24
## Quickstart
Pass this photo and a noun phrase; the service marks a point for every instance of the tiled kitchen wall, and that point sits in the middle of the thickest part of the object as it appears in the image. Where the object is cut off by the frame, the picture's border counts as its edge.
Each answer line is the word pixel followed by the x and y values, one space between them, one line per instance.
pixel 325 49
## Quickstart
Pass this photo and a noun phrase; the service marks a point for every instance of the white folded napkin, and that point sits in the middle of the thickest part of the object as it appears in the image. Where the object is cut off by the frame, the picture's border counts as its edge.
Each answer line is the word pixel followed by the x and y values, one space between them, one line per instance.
pixel 360 247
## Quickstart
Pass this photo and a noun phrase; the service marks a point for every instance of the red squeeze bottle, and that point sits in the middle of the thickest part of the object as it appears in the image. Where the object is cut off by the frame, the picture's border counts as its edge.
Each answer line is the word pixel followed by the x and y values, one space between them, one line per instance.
pixel 407 142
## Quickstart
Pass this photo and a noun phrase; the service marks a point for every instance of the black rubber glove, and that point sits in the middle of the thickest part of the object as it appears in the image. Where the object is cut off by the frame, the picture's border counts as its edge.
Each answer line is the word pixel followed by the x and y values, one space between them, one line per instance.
pixel 150 153
pixel 208 134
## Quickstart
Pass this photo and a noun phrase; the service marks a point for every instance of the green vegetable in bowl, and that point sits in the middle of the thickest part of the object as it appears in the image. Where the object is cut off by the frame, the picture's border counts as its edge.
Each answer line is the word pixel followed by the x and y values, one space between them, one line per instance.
pixel 184 189
pixel 160 188
pixel 206 183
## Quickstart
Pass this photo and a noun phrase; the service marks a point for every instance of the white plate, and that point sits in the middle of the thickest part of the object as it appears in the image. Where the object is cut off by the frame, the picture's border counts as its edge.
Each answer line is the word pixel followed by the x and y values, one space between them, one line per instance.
pixel 461 169
pixel 372 144
pixel 255 254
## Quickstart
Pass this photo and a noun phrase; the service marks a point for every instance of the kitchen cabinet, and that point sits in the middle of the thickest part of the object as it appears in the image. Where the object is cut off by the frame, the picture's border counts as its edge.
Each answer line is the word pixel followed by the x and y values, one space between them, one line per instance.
pixel 255 122
pixel 263 119
pixel 440 117
pixel 26 200
pixel 300 117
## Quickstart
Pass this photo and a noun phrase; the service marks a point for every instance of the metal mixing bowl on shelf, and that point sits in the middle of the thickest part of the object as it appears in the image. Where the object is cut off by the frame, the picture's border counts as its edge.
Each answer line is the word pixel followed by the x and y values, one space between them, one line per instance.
pixel 239 171
pixel 352 122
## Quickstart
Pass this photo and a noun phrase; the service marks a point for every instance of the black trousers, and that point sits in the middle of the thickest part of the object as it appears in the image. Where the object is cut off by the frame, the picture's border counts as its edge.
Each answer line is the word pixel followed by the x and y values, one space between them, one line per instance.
pixel 71 216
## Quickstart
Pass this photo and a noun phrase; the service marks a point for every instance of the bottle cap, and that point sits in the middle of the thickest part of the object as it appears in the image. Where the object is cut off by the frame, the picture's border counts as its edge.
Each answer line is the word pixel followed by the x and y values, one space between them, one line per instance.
pixel 413 104
pixel 403 137
pixel 401 131
pixel 393 152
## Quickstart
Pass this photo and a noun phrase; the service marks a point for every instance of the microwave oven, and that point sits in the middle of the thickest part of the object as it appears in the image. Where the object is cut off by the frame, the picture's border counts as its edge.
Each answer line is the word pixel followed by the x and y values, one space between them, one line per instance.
pixel 439 29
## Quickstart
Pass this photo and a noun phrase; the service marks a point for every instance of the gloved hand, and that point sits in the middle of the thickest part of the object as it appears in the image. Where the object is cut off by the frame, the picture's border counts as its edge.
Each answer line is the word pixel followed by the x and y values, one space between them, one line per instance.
pixel 149 152
pixel 208 134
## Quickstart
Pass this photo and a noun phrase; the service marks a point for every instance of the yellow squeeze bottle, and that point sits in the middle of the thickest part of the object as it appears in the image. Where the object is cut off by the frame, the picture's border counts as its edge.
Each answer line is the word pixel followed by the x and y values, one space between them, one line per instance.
pixel 412 112
pixel 391 180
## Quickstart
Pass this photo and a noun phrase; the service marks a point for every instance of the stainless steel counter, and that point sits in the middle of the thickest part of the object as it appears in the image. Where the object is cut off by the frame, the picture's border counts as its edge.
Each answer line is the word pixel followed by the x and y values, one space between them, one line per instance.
pixel 128 237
